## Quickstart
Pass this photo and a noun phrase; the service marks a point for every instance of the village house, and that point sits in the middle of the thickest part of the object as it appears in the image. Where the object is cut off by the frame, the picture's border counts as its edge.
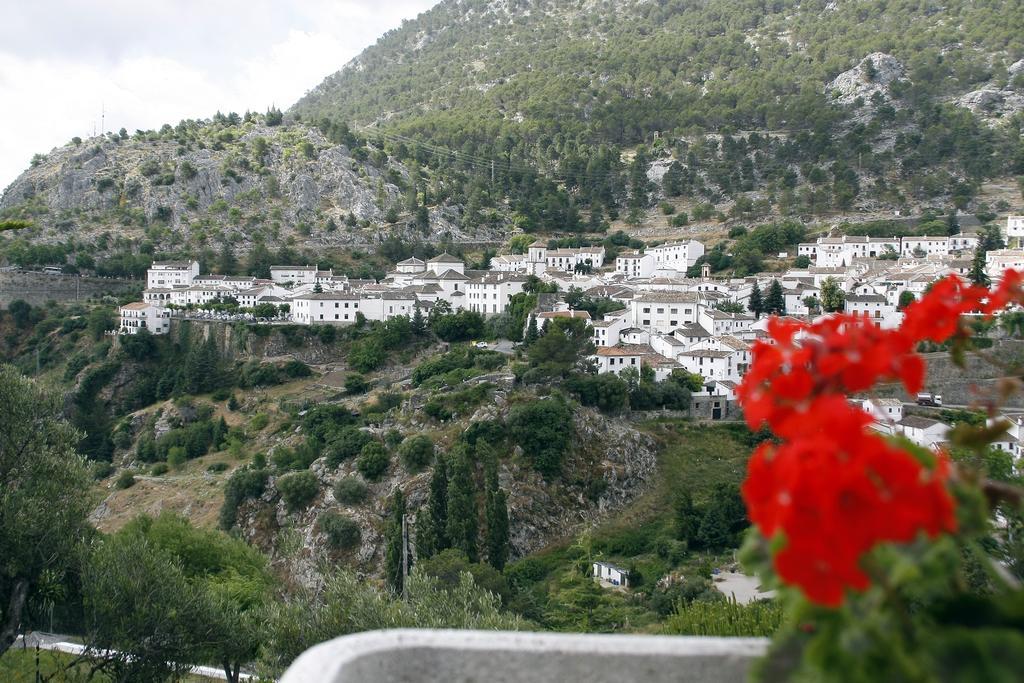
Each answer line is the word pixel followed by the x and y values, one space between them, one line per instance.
pixel 664 311
pixel 677 256
pixel 998 261
pixel 325 308
pixel 140 315
pixel 167 274
pixel 635 264
pixel 295 275
pixel 923 431
pixel 490 294
pixel 886 411
pixel 442 263
pixel 1014 233
pixel 617 359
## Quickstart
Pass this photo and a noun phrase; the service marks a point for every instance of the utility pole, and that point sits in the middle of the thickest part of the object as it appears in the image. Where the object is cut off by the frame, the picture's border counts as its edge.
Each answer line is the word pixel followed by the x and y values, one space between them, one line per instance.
pixel 492 171
pixel 405 557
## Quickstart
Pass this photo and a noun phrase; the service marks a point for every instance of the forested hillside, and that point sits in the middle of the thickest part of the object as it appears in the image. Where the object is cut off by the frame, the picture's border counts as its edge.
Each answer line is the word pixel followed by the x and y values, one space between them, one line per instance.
pixel 783 107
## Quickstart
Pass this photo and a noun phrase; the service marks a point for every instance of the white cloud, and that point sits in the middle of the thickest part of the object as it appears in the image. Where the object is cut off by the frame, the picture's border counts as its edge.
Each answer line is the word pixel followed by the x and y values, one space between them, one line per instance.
pixel 161 61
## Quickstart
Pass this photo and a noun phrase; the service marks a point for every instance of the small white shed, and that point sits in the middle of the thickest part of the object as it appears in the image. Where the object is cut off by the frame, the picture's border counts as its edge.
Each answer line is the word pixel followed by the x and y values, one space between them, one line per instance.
pixel 609 573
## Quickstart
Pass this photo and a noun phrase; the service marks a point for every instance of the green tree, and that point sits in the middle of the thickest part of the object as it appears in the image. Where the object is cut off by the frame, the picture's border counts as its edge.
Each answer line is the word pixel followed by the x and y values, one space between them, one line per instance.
pixel 419 324
pixel 906 298
pixel 394 543
pixel 44 498
pixel 775 302
pixel 544 430
pixel 144 620
pixel 495 512
pixel 833 298
pixel 531 331
pixel 756 303
pixel 416 452
pixel 462 523
pixel 100 320
pixel 432 530
pixel 977 273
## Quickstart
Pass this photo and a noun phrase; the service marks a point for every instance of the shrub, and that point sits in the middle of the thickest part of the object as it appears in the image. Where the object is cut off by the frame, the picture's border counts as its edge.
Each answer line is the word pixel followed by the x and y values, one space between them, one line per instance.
pixel 350 491
pixel 221 395
pixel 176 457
pixel 416 452
pixel 342 531
pixel 102 470
pixel 679 220
pixel 217 467
pixel 298 489
pixel 373 461
pixel 356 384
pixel 296 369
pixel 544 430
pixel 345 444
pixel 125 480
pixel 667 208
pixel 243 484
pixel 159 469
pixel 259 422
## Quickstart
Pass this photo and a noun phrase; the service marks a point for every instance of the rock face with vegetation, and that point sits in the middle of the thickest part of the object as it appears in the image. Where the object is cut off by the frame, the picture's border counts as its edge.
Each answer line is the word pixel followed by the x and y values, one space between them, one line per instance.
pixel 200 185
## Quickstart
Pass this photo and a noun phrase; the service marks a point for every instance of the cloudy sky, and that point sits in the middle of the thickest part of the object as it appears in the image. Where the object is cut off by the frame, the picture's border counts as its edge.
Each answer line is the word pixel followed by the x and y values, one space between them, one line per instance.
pixel 152 62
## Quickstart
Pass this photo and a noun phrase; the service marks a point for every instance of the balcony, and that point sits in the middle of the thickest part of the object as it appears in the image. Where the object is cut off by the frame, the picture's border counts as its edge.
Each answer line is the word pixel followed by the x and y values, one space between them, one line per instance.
pixel 520 657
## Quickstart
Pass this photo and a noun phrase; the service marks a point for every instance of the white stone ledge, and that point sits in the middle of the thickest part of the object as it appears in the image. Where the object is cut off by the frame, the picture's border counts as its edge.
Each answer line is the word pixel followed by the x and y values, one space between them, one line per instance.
pixel 407 655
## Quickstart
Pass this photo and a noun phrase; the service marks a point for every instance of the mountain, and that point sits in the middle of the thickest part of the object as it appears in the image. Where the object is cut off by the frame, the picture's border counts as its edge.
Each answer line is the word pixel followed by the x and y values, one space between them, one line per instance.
pixel 783 107
pixel 228 183
pixel 483 118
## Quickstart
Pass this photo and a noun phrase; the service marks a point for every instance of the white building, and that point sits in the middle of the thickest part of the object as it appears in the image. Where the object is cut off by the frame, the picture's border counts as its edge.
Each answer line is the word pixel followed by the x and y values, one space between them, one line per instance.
pixel 709 363
pixel 411 265
pixel 886 411
pixel 167 274
pixel 1014 233
pixel 607 332
pixel 676 256
pixel 936 246
pixel 325 308
pixel 491 294
pixel 635 264
pixel 144 316
pixel 875 306
pixel 609 573
pixel 297 275
pixel 444 262
pixel 617 359
pixel 999 261
pixel 663 311
pixel 923 431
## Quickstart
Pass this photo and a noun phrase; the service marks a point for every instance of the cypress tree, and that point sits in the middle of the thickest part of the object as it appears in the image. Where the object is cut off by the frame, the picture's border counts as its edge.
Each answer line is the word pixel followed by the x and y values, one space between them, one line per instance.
pixel 462 512
pixel 977 274
pixel 531 331
pixel 437 504
pixel 393 543
pixel 419 325
pixel 426 539
pixel 756 304
pixel 776 300
pixel 495 513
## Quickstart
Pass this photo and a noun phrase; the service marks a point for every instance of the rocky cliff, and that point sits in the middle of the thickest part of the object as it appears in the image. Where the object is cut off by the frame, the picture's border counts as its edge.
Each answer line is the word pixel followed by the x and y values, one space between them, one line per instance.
pixel 227 181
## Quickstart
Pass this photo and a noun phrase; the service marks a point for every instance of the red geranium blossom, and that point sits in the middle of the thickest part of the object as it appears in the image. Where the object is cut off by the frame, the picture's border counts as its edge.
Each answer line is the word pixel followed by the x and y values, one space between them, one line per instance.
pixel 833 488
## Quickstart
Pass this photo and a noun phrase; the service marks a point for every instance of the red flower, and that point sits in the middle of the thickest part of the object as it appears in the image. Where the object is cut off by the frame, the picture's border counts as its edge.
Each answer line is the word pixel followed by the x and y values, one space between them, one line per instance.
pixel 833 488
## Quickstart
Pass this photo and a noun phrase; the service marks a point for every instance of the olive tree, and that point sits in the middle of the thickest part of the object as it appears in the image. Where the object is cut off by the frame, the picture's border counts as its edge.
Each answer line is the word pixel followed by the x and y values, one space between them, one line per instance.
pixel 43 497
